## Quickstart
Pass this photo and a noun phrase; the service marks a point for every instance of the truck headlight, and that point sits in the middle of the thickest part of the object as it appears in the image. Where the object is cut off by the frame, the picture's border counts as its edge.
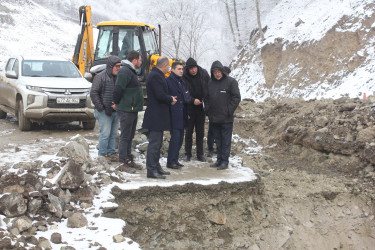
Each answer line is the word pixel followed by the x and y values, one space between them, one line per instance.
pixel 34 88
pixel 30 99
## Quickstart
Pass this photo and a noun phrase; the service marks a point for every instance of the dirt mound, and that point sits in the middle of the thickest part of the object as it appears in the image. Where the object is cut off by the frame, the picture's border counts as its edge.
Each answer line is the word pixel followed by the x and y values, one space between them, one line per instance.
pixel 315 188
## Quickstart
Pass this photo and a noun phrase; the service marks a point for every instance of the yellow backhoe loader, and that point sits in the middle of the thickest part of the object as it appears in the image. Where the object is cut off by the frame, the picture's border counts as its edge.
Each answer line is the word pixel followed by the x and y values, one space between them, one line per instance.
pixel 115 38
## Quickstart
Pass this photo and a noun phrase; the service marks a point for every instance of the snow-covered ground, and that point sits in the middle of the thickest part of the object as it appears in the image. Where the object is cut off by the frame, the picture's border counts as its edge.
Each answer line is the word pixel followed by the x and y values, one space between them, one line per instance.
pixel 102 229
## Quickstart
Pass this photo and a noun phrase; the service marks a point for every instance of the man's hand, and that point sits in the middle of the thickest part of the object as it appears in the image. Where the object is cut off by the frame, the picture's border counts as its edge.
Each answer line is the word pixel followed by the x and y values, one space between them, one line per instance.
pixel 197 102
pixel 174 100
pixel 113 106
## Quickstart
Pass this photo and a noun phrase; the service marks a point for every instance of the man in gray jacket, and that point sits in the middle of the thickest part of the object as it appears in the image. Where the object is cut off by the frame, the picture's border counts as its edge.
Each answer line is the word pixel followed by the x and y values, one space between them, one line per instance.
pixel 105 110
pixel 221 101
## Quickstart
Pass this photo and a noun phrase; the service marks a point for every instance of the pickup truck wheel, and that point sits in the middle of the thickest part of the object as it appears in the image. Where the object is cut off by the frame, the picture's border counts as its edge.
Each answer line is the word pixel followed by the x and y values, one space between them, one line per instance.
pixel 3 114
pixel 89 125
pixel 24 124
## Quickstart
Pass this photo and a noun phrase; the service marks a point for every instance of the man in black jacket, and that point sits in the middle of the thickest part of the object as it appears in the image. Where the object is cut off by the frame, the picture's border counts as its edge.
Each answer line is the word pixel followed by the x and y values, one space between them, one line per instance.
pixel 157 116
pixel 221 101
pixel 197 79
pixel 105 110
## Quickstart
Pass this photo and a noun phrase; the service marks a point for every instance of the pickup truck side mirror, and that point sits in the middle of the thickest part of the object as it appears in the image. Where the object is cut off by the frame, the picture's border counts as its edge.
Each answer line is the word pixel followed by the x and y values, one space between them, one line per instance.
pixel 11 74
pixel 88 76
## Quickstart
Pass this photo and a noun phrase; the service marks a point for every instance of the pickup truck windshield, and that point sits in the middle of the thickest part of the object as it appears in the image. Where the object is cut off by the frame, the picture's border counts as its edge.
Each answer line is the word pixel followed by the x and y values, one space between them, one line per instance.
pixel 44 68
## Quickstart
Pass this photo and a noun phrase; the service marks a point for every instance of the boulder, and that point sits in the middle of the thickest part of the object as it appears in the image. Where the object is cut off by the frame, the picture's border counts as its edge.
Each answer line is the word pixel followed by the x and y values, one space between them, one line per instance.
pixel 13 205
pixel 77 220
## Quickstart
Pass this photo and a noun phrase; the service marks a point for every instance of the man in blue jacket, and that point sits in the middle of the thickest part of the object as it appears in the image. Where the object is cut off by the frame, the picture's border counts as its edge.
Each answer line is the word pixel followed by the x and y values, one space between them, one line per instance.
pixel 157 116
pixel 177 87
pixel 221 101
pixel 128 97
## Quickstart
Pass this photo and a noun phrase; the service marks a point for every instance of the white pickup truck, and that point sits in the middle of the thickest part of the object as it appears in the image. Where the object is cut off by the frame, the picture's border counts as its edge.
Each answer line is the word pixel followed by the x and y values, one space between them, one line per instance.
pixel 39 89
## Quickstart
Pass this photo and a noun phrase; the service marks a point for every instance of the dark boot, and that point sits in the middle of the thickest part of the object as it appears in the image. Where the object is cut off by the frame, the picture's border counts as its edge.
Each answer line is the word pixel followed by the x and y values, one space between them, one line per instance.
pixel 163 172
pixel 155 175
pixel 222 166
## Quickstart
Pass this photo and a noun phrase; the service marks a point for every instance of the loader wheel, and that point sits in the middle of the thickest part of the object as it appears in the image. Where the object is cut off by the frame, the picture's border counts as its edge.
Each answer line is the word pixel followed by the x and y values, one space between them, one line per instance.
pixel 3 114
pixel 24 124
pixel 89 125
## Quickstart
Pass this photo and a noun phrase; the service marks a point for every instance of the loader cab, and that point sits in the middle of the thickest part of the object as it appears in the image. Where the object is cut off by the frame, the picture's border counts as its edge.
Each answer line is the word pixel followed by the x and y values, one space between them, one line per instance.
pixel 120 37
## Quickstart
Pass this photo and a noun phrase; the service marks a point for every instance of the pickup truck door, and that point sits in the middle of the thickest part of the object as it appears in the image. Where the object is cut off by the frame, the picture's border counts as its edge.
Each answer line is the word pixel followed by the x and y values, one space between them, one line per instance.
pixel 9 86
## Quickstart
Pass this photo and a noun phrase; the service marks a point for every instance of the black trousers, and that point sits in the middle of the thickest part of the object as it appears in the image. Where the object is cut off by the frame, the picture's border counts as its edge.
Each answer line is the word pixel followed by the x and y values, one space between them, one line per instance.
pixel 197 119
pixel 155 141
pixel 223 138
pixel 210 137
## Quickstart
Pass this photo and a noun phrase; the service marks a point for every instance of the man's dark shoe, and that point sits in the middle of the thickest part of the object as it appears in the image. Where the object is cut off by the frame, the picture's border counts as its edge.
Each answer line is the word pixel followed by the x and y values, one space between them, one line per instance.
pixel 215 165
pixel 155 175
pixel 187 158
pixel 210 153
pixel 173 166
pixel 201 158
pixel 163 172
pixel 222 166
pixel 179 164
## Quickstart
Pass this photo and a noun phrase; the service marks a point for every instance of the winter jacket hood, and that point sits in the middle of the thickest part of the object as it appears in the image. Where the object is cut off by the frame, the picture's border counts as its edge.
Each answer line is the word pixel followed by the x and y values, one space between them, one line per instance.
pixel 112 61
pixel 217 65
pixel 191 63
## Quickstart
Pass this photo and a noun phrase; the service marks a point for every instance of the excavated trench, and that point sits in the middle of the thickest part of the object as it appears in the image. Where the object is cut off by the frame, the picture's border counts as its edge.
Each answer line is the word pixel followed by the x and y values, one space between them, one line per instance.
pixel 286 208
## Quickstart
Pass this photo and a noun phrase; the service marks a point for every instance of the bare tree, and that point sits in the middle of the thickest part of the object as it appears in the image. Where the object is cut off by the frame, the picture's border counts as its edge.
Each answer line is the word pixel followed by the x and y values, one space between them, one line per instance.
pixel 236 20
pixel 258 19
pixel 230 21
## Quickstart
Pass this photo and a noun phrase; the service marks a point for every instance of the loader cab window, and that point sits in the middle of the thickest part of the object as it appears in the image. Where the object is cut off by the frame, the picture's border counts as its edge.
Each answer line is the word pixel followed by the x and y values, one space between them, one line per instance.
pixel 127 39
pixel 150 43
pixel 104 46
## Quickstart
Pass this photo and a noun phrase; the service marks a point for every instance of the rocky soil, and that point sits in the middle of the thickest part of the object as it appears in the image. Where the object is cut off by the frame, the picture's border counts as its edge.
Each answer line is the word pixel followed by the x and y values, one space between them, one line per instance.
pixel 315 188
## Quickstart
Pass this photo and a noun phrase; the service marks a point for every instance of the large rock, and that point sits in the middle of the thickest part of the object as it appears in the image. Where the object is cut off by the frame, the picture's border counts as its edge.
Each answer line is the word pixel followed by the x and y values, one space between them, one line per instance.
pixel 22 223
pixel 76 151
pixel 72 175
pixel 77 220
pixel 34 205
pixel 13 205
pixel 55 205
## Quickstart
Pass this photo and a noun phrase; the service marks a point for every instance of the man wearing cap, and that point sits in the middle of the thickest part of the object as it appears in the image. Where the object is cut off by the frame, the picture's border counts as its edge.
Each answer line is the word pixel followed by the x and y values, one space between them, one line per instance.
pixel 128 97
pixel 221 101
pixel 105 110
pixel 197 79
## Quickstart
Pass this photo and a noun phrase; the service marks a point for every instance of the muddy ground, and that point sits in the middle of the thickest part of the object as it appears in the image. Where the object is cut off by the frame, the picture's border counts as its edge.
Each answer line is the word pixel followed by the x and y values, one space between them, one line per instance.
pixel 315 187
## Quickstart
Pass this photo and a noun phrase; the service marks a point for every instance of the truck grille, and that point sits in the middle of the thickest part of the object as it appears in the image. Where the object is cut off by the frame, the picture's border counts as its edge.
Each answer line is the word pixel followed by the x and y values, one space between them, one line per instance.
pixel 52 104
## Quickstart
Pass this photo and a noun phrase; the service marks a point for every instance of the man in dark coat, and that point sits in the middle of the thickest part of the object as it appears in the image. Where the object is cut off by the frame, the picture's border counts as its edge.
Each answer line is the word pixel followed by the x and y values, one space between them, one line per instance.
pixel 197 78
pixel 105 110
pixel 178 88
pixel 210 133
pixel 157 116
pixel 221 101
pixel 128 97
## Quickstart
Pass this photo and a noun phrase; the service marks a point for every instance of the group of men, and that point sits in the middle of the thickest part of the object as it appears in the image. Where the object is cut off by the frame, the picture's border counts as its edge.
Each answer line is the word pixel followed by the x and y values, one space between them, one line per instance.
pixel 177 103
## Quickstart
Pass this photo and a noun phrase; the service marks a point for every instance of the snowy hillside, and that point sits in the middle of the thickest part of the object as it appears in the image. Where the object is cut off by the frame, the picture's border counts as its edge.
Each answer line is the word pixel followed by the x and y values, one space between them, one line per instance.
pixel 33 30
pixel 312 49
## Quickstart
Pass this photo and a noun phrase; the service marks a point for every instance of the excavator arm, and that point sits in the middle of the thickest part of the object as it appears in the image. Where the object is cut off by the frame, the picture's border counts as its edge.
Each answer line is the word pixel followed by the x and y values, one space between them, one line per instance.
pixel 83 56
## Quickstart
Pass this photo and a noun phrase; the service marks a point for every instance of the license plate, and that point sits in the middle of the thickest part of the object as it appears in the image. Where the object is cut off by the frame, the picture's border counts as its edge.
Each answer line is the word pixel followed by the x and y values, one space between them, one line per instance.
pixel 66 100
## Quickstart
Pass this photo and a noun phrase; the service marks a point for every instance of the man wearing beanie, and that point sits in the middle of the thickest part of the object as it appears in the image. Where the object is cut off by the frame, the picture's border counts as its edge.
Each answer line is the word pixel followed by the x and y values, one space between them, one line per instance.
pixel 197 79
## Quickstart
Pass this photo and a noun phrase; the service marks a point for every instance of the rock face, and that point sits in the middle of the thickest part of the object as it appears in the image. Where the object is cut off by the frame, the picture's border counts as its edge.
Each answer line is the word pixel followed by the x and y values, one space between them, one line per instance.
pixel 289 69
pixel 189 210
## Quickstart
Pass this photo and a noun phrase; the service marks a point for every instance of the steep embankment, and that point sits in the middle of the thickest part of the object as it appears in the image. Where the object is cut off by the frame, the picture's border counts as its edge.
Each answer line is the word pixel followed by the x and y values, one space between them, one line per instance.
pixel 327 55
